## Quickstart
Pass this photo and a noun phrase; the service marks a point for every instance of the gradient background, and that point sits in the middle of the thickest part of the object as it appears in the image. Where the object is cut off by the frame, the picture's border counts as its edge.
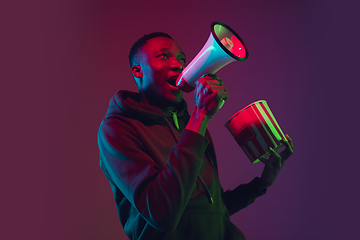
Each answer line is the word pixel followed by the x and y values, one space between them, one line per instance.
pixel 62 61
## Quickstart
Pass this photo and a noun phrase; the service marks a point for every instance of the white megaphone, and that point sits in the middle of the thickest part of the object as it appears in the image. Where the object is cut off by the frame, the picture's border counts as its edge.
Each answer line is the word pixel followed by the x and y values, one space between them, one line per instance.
pixel 223 47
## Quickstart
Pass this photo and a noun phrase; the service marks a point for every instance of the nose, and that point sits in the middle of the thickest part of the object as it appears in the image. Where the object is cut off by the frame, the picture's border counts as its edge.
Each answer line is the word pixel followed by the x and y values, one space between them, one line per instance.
pixel 176 66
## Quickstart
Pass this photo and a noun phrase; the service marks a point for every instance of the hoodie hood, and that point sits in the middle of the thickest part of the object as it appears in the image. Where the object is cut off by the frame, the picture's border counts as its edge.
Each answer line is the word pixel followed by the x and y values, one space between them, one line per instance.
pixel 129 104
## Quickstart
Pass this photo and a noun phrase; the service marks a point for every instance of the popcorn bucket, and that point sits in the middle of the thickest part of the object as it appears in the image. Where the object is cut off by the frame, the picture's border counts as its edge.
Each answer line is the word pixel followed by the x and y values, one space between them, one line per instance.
pixel 255 130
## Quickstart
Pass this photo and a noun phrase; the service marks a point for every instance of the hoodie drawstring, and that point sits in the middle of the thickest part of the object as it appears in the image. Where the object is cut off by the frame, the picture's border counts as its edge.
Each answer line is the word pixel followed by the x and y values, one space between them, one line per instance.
pixel 175 119
pixel 207 190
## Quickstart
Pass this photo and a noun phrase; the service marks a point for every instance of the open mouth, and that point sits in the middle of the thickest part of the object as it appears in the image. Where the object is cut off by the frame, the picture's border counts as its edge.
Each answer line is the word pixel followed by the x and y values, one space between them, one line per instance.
pixel 172 80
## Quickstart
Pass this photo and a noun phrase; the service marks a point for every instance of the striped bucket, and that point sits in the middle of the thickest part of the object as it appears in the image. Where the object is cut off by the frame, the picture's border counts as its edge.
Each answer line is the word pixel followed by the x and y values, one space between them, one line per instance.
pixel 255 130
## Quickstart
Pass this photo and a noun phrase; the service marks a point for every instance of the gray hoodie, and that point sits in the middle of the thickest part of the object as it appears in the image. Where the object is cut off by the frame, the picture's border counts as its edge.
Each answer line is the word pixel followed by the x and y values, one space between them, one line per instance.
pixel 164 177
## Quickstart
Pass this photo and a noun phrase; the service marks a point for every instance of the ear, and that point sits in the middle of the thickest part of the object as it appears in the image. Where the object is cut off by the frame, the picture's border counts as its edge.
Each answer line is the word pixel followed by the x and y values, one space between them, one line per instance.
pixel 137 71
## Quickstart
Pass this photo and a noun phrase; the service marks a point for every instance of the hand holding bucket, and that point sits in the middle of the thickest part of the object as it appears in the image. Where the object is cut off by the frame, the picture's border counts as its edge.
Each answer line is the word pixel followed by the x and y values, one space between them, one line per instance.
pixel 256 131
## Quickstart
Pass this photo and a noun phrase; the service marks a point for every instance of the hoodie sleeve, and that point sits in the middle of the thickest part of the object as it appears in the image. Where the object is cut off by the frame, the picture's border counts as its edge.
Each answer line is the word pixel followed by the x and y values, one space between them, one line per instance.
pixel 242 196
pixel 160 195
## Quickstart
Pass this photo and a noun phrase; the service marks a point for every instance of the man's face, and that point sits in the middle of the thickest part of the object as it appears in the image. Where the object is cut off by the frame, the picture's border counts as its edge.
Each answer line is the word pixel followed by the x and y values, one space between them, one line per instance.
pixel 161 63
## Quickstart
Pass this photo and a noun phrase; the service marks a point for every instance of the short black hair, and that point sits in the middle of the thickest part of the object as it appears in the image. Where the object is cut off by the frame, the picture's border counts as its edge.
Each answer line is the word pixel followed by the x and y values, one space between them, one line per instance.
pixel 140 43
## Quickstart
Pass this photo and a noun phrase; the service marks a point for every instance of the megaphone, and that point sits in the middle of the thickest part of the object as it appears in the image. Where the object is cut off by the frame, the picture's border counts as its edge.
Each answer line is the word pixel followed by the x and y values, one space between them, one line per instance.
pixel 222 47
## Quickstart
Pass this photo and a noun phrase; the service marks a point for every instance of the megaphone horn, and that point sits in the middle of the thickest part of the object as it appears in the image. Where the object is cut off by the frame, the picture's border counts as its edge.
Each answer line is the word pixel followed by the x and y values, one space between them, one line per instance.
pixel 222 47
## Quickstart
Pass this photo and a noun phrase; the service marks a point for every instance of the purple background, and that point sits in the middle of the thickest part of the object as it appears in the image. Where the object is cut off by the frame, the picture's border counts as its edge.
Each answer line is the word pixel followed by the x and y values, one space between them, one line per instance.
pixel 61 61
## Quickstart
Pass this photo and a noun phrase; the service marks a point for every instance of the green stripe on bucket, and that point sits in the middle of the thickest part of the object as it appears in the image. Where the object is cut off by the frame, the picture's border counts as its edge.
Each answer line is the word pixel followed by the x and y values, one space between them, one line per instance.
pixel 268 121
pixel 274 120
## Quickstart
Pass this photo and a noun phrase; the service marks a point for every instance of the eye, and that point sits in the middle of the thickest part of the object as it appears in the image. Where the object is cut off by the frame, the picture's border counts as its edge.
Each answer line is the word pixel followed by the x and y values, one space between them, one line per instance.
pixel 182 60
pixel 163 55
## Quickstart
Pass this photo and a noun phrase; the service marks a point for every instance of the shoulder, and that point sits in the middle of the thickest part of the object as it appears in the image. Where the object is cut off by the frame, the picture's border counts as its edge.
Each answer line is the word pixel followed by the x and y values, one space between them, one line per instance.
pixel 116 126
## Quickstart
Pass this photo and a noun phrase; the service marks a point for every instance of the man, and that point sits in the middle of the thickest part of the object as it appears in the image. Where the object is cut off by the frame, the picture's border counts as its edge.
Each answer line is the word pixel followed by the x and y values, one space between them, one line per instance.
pixel 160 160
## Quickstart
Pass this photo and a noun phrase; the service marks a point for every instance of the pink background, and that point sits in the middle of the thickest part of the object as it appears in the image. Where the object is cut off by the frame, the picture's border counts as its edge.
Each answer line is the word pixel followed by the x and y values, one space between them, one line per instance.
pixel 61 61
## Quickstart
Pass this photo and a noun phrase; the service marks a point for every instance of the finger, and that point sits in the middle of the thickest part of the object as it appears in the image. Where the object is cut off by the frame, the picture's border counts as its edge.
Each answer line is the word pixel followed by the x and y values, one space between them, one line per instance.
pixel 210 77
pixel 275 158
pixel 203 82
pixel 203 86
pixel 220 92
pixel 214 82
pixel 289 140
pixel 213 76
pixel 206 91
pixel 220 95
pixel 218 88
pixel 288 144
pixel 287 152
pixel 209 81
pixel 221 104
pixel 263 160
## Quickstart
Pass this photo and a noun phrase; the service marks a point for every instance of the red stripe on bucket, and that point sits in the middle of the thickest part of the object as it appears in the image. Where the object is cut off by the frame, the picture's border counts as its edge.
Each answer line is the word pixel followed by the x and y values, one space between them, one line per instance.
pixel 252 154
pixel 258 146
pixel 244 135
pixel 261 128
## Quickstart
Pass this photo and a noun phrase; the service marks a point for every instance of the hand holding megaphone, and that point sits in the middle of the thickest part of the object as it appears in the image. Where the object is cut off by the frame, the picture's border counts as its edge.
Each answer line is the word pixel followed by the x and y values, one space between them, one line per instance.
pixel 222 47
pixel 210 94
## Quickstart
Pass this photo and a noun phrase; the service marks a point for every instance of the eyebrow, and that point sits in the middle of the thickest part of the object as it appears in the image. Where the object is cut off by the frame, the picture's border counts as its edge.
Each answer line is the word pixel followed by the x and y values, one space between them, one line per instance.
pixel 165 49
